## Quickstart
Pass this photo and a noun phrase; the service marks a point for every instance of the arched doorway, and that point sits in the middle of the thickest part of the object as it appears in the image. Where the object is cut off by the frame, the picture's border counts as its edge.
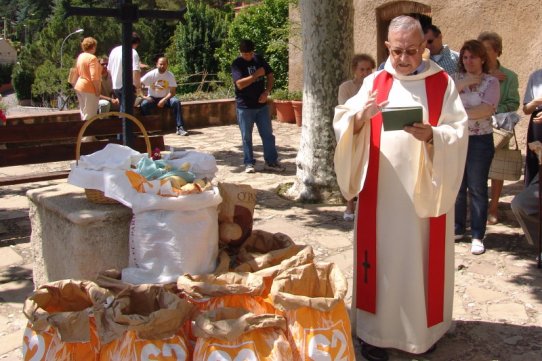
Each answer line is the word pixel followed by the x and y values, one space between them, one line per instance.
pixel 384 15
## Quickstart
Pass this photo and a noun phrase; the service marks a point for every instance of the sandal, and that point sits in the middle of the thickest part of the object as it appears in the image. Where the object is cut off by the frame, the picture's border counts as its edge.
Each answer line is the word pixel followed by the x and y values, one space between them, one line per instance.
pixel 477 247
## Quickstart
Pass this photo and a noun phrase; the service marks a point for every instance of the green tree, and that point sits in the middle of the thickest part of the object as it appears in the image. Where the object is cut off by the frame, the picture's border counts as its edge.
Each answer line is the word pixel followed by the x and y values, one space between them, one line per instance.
pixel 107 31
pixel 266 24
pixel 195 42
pixel 47 84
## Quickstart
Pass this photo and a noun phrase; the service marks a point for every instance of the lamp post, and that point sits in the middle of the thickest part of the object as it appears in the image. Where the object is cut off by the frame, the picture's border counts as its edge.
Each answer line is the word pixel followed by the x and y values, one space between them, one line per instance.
pixel 61 99
pixel 63 41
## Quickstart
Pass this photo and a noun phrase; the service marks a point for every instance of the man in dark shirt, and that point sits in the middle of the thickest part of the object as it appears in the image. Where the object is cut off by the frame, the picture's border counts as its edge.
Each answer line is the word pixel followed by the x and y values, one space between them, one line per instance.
pixel 251 92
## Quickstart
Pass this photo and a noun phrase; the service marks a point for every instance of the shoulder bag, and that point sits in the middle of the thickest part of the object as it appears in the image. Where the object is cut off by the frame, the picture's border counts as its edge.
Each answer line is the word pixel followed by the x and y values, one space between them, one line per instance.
pixel 507 163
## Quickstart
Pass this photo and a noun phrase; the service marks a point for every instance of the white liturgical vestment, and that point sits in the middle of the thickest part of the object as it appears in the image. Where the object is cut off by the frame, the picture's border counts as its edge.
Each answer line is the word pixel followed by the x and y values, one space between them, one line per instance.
pixel 416 181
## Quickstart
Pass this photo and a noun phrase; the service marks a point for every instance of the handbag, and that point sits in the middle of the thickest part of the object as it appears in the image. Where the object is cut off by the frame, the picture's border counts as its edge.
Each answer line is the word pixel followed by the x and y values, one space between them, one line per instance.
pixel 507 163
pixel 501 137
pixel 73 75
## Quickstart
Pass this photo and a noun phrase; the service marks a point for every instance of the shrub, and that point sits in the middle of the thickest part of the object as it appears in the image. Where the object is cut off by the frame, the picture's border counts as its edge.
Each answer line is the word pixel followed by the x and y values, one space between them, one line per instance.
pixel 266 24
pixel 5 73
pixel 194 44
pixel 22 82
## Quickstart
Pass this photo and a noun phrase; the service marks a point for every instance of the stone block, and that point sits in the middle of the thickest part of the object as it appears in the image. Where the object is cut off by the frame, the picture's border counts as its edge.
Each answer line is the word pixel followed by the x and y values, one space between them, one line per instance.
pixel 73 238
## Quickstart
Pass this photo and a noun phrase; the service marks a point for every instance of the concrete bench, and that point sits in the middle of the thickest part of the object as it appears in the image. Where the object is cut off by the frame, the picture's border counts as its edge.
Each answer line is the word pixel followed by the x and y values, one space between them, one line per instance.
pixel 73 238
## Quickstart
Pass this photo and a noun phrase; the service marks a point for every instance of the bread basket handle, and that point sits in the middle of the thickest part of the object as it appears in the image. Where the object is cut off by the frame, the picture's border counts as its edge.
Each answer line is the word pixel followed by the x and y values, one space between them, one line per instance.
pixel 119 115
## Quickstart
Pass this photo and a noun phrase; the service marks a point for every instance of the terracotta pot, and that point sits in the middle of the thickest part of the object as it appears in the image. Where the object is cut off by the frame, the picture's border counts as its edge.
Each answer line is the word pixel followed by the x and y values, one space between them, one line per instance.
pixel 285 111
pixel 298 107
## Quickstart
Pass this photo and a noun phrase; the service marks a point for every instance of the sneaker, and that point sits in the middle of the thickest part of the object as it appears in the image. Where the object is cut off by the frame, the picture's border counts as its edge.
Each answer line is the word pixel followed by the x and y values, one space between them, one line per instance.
pixel 276 167
pixel 348 216
pixel 249 168
pixel 182 132
pixel 477 247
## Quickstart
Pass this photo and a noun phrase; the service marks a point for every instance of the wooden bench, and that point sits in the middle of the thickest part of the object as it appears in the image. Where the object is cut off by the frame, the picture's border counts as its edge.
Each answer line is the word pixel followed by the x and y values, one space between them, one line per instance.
pixel 39 142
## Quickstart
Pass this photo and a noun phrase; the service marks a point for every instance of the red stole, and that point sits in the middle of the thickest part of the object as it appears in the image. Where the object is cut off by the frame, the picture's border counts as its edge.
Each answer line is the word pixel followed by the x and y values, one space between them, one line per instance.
pixel 435 86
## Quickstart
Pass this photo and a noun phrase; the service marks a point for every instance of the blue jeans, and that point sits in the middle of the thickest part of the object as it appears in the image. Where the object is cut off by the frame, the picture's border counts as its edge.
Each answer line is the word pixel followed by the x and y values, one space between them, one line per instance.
pixel 259 116
pixel 479 157
pixel 148 105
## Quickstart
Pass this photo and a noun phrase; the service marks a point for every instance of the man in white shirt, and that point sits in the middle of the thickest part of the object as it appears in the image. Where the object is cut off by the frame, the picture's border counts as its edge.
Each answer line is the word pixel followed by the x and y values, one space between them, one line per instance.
pixel 161 87
pixel 115 67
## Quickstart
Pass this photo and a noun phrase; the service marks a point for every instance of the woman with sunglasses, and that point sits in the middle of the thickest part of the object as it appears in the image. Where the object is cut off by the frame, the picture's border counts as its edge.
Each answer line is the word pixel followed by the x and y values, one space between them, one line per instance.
pixel 479 93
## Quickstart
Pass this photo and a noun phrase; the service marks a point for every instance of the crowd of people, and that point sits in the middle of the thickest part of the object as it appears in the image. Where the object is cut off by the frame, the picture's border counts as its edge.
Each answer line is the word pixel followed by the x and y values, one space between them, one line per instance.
pixel 425 179
pixel 99 84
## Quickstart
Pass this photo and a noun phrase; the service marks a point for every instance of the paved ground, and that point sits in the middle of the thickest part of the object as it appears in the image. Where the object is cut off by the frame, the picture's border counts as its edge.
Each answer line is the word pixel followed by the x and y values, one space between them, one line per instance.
pixel 498 295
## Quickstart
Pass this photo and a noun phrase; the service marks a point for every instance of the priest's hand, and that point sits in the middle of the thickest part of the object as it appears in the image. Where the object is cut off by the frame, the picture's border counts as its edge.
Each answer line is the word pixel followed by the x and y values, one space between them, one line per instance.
pixel 420 131
pixel 370 109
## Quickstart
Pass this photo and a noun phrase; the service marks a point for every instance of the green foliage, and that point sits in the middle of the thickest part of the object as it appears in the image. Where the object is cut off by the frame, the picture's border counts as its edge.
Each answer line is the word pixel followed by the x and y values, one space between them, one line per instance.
pixel 47 43
pixel 5 73
pixel 284 94
pixel 218 93
pixel 295 95
pixel 22 82
pixel 266 25
pixel 280 94
pixel 47 81
pixel 194 43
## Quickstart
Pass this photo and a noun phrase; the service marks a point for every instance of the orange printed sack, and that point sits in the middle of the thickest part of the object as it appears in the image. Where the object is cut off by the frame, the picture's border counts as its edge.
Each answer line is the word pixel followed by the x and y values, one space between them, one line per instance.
pixel 231 334
pixel 230 289
pixel 61 324
pixel 152 320
pixel 311 298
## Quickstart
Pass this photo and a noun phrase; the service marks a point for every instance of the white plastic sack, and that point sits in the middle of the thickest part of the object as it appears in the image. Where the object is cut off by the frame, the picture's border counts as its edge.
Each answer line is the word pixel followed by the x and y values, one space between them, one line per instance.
pixel 203 165
pixel 169 236
pixel 165 244
pixel 112 156
pixel 90 170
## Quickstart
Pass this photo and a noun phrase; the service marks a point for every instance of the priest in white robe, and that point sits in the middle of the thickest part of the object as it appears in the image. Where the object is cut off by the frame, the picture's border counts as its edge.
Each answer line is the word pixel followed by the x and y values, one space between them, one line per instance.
pixel 407 181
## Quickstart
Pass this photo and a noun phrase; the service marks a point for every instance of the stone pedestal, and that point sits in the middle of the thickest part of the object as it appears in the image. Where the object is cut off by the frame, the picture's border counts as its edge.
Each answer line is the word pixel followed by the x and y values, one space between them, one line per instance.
pixel 74 238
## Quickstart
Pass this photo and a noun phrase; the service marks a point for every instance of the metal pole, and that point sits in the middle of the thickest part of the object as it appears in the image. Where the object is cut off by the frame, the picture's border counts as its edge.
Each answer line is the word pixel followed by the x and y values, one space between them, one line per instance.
pixel 127 70
pixel 61 101
pixel 63 41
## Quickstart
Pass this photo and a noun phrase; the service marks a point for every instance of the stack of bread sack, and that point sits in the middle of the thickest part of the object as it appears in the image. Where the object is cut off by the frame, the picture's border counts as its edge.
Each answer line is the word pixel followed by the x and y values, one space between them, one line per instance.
pixel 283 307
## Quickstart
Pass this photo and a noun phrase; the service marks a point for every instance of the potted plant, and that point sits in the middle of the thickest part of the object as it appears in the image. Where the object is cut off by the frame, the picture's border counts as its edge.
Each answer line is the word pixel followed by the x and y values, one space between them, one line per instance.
pixel 283 106
pixel 296 97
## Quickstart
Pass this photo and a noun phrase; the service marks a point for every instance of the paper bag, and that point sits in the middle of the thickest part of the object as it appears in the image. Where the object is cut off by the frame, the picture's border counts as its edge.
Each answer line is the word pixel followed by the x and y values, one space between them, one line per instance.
pixel 311 298
pixel 60 322
pixel 236 334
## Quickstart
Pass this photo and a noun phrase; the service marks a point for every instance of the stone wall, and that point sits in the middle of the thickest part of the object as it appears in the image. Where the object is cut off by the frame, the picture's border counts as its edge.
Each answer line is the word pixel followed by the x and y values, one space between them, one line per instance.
pixel 196 114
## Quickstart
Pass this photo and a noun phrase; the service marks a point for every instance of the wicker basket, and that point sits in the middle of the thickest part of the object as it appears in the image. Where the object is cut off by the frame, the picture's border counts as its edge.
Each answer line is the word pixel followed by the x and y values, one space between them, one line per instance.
pixel 95 195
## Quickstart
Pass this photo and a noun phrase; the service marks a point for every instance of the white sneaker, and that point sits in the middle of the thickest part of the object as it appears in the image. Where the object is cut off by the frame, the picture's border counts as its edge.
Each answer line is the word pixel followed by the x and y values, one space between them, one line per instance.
pixel 348 216
pixel 477 247
pixel 182 132
pixel 249 168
